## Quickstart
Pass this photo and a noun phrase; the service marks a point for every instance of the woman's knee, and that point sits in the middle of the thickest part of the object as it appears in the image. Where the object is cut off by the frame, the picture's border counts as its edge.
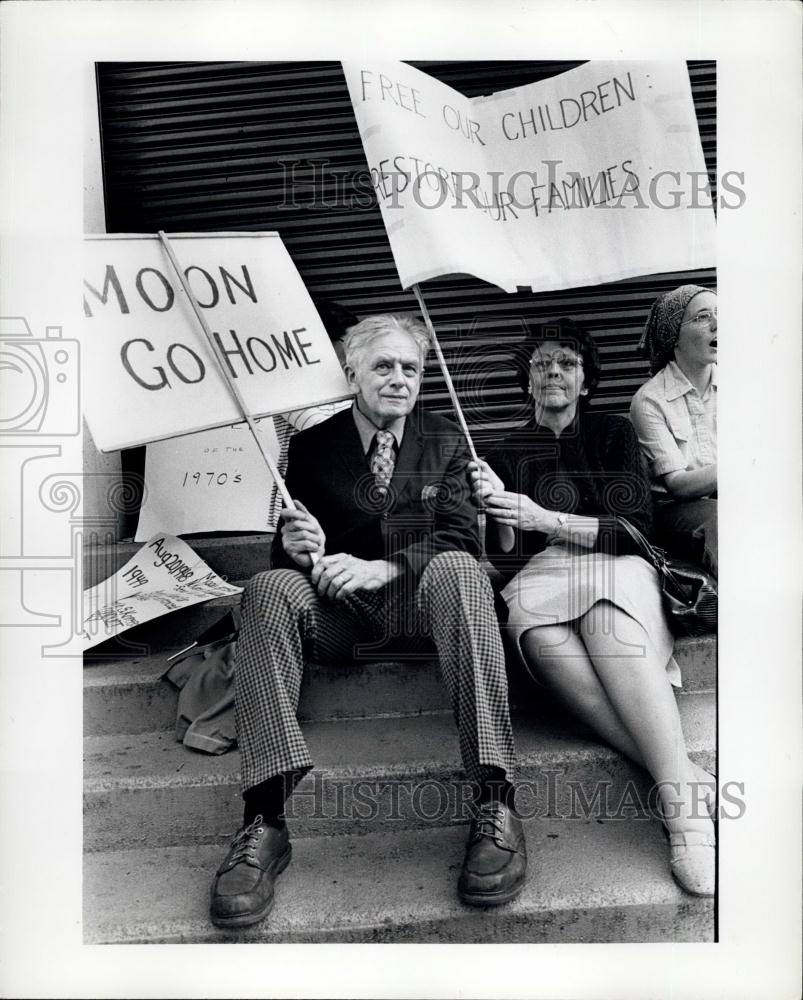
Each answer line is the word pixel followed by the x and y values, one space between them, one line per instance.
pixel 607 623
pixel 545 646
pixel 559 661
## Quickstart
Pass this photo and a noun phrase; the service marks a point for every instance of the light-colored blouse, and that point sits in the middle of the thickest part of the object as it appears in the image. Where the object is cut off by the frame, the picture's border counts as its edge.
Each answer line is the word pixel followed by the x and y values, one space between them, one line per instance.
pixel 676 427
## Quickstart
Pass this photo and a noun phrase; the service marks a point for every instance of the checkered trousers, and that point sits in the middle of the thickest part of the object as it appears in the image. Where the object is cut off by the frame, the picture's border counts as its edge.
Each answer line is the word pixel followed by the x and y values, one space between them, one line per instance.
pixel 285 622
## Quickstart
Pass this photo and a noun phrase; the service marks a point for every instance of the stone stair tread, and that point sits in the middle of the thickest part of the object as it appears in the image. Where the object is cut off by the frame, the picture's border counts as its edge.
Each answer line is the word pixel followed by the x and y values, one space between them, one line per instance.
pixel 588 880
pixel 129 696
pixel 137 670
pixel 122 699
pixel 363 747
pixel 145 669
pixel 148 669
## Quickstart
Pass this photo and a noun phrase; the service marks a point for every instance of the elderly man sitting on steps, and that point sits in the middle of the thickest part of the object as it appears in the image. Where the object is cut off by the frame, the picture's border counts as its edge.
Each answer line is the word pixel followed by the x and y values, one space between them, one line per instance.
pixel 383 489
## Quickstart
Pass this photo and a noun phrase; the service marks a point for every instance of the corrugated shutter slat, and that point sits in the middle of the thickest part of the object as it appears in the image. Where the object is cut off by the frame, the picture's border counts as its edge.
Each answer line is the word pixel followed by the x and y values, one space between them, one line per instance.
pixel 198 147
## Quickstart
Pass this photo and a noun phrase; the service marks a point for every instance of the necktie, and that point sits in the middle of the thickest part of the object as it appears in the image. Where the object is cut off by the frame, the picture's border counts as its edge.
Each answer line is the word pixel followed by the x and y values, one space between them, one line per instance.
pixel 383 459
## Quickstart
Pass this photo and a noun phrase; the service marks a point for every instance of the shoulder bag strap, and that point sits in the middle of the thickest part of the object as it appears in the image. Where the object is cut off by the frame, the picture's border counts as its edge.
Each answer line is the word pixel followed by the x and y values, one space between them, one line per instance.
pixel 653 555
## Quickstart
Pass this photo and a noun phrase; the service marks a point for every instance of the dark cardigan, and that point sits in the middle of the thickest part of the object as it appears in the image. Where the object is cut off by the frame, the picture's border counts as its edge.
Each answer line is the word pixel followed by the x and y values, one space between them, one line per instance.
pixel 594 468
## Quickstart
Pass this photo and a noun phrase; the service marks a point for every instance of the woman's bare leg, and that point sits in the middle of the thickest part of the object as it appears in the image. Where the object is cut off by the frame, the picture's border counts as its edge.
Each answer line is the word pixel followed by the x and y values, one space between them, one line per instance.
pixel 642 697
pixel 557 657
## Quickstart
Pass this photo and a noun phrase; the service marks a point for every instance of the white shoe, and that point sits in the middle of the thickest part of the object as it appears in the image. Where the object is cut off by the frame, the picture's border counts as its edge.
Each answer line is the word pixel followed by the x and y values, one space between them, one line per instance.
pixel 692 857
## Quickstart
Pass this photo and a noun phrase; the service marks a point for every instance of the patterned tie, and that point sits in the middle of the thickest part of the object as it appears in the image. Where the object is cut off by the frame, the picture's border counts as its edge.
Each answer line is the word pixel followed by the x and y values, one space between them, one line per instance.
pixel 383 459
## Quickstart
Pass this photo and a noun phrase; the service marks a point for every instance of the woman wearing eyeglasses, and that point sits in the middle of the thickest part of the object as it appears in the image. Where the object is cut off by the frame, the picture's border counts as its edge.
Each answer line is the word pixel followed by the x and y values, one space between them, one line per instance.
pixel 585 613
pixel 675 417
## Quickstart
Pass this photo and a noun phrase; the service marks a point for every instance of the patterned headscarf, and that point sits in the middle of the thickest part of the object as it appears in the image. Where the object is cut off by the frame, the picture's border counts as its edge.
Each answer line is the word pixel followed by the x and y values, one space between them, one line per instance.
pixel 663 325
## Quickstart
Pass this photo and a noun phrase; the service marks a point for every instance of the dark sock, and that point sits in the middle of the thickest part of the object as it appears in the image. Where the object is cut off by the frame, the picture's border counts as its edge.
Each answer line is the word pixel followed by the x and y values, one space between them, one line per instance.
pixel 267 799
pixel 497 788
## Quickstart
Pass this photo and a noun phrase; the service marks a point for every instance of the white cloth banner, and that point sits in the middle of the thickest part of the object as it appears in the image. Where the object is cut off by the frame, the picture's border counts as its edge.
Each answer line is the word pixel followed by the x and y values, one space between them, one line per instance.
pixel 592 176
pixel 149 370
pixel 164 575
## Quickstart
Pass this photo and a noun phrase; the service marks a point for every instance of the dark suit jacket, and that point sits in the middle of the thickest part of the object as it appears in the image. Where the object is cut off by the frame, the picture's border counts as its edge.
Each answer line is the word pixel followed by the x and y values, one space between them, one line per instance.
pixel 595 467
pixel 428 508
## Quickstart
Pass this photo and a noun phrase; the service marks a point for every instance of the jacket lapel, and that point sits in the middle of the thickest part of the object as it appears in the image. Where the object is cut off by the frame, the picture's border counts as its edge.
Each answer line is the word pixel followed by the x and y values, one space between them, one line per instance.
pixel 348 446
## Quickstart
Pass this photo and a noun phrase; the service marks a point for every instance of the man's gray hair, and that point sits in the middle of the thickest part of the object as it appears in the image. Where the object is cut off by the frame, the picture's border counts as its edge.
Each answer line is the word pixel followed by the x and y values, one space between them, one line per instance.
pixel 358 337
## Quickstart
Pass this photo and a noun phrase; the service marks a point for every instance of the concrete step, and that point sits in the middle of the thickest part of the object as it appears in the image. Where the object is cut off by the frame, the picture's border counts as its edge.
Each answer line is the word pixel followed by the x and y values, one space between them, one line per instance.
pixel 235 557
pixel 128 696
pixel 147 790
pixel 588 881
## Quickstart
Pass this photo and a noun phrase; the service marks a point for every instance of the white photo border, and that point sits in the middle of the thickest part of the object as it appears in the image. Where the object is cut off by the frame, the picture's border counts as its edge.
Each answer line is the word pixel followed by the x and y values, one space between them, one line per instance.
pixel 45 49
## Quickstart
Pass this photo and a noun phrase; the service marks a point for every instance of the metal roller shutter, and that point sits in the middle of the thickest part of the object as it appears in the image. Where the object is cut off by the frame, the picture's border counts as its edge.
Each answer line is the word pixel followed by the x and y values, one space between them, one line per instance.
pixel 263 146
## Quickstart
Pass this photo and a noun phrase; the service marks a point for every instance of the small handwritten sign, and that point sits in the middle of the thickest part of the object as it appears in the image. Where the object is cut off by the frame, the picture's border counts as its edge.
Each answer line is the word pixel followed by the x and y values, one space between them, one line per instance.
pixel 218 480
pixel 164 575
pixel 213 481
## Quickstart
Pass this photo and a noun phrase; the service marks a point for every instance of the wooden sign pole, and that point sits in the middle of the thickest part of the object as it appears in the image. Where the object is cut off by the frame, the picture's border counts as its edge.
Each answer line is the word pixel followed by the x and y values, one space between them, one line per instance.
pixel 272 468
pixel 441 360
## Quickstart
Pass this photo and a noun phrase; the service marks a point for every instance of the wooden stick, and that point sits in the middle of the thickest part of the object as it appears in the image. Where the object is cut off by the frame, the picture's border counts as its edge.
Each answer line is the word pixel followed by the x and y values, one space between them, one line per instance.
pixel 441 360
pixel 272 468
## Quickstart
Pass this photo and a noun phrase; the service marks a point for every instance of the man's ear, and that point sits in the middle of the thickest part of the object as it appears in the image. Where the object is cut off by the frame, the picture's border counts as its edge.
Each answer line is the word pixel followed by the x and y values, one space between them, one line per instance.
pixel 351 378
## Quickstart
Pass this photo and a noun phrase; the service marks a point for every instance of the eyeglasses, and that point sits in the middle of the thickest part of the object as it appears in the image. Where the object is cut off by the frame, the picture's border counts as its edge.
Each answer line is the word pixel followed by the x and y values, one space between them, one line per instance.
pixel 705 317
pixel 566 362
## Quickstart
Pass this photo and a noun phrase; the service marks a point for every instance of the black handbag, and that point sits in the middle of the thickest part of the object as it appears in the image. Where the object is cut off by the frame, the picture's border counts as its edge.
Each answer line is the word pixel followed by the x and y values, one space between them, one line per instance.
pixel 689 594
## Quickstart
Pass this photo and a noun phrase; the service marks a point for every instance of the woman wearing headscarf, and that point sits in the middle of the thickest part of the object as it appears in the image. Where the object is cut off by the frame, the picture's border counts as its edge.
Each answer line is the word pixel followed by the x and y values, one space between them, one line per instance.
pixel 675 417
pixel 585 612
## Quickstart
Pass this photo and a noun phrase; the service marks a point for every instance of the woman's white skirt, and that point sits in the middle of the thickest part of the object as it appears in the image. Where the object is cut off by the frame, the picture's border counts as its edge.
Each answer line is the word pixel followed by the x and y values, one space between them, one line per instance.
pixel 562 583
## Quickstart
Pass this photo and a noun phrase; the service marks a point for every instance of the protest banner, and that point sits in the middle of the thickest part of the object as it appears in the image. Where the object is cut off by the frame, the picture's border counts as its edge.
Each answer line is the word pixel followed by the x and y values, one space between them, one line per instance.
pixel 211 481
pixel 164 575
pixel 217 480
pixel 594 175
pixel 150 373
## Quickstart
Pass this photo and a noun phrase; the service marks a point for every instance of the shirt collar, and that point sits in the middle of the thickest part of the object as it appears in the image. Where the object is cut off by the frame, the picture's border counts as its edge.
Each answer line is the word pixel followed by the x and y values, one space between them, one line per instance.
pixel 367 430
pixel 539 430
pixel 676 384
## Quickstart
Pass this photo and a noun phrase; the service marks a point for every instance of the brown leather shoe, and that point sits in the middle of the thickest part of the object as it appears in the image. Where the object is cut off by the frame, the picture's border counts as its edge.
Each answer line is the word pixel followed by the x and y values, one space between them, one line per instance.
pixel 242 893
pixel 495 866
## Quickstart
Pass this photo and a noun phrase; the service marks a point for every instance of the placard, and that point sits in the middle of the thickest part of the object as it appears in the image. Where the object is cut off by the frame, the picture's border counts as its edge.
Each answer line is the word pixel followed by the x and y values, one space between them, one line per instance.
pixel 212 481
pixel 166 574
pixel 591 176
pixel 150 373
pixel 217 480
